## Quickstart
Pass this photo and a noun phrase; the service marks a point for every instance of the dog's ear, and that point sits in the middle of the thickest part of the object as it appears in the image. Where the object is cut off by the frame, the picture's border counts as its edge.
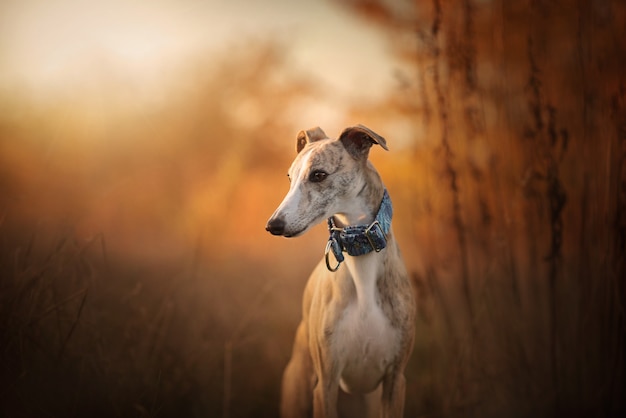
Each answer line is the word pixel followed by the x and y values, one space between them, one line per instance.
pixel 310 135
pixel 359 139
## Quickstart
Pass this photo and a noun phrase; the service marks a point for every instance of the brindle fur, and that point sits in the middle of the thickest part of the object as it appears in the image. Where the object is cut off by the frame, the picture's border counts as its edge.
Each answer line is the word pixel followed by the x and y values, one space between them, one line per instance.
pixel 357 328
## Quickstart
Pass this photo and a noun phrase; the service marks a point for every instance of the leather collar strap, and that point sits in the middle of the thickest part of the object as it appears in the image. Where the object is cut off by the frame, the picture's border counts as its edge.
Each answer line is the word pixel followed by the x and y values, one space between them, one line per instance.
pixel 360 239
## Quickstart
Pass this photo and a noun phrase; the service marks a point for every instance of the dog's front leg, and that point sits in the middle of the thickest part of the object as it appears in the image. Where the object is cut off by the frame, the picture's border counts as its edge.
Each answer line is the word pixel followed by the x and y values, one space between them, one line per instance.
pixel 325 397
pixel 326 391
pixel 394 387
pixel 298 379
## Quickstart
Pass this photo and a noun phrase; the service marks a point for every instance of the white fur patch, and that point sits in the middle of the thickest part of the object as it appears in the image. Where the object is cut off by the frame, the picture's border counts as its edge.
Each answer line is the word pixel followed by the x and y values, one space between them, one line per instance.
pixel 367 343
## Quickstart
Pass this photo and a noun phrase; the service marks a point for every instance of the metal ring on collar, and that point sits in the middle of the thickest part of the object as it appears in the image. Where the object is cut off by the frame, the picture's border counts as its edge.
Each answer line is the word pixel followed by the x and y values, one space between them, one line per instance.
pixel 326 251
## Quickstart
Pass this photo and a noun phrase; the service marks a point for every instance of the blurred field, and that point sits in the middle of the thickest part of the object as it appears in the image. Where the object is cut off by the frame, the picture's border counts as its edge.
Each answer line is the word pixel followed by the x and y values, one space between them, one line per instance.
pixel 137 278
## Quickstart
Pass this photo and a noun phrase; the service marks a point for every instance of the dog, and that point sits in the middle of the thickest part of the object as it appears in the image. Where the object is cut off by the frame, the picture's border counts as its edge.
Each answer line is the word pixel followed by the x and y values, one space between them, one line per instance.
pixel 357 328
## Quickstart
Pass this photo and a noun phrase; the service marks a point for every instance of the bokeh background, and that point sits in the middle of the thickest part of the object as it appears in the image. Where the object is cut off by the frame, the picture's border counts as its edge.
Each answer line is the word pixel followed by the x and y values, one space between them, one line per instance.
pixel 144 144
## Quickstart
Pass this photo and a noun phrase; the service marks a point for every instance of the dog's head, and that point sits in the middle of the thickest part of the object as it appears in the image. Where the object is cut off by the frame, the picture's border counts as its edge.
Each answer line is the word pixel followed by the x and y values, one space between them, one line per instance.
pixel 326 177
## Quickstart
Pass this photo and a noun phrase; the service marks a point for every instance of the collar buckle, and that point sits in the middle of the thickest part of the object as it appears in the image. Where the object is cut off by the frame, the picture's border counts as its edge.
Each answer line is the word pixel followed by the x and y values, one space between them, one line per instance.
pixel 371 229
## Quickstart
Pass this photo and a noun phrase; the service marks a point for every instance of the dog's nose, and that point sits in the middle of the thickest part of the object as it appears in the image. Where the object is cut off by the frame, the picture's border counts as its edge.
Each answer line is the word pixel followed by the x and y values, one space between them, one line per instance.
pixel 275 226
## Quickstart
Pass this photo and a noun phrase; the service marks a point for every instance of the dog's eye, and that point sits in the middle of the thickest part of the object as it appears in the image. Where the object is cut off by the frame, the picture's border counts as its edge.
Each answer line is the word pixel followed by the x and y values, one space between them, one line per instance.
pixel 289 177
pixel 317 176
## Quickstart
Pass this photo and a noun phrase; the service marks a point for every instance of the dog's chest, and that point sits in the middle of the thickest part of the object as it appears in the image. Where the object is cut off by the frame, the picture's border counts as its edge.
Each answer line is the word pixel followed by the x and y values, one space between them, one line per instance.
pixel 366 344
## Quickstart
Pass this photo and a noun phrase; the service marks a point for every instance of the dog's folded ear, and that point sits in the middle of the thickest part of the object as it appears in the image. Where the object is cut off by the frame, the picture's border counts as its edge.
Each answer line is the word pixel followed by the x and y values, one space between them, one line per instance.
pixel 359 139
pixel 310 135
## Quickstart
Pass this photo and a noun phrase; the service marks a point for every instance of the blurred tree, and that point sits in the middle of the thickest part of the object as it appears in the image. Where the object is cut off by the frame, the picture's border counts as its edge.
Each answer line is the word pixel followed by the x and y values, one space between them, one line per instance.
pixel 522 109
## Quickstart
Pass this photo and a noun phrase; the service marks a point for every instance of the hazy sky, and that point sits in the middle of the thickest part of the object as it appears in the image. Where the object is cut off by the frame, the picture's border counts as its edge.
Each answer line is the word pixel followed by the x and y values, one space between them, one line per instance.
pixel 51 44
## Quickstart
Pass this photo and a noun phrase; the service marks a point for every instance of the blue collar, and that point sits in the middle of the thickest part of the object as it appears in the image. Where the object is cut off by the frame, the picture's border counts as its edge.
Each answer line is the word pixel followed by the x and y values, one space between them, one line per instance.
pixel 360 239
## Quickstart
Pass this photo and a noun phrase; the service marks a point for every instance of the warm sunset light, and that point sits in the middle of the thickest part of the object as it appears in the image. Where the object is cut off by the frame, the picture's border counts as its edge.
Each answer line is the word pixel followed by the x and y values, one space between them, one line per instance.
pixel 53 46
pixel 145 144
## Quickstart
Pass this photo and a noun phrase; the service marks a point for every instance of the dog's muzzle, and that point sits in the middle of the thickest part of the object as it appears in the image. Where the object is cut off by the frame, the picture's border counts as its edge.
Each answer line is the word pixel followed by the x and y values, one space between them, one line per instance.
pixel 275 226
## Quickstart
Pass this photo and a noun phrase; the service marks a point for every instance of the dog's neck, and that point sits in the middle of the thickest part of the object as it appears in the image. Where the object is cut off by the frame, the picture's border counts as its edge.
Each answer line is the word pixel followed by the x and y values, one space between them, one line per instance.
pixel 366 203
pixel 363 209
pixel 365 270
pixel 360 239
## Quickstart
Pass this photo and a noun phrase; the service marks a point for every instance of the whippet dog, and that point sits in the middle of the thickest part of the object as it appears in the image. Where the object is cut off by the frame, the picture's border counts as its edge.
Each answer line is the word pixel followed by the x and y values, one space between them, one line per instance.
pixel 357 326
